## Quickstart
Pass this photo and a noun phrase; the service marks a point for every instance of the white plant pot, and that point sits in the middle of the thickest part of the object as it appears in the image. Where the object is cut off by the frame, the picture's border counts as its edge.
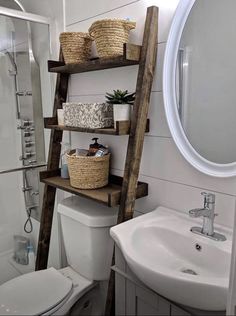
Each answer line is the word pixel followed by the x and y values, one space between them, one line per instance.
pixel 121 112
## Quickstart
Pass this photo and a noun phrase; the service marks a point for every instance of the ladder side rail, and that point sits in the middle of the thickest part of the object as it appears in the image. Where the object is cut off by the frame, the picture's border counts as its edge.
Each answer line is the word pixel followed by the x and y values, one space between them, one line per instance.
pixel 137 132
pixel 53 163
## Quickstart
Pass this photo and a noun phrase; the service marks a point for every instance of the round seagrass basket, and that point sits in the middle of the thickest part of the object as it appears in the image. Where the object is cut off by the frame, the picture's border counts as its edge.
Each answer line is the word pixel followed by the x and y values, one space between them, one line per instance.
pixel 76 46
pixel 88 172
pixel 110 36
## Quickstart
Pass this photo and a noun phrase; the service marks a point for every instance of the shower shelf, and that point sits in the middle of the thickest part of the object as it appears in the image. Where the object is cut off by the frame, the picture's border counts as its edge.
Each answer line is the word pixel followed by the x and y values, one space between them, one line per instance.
pixel 122 127
pixel 109 195
pixel 131 56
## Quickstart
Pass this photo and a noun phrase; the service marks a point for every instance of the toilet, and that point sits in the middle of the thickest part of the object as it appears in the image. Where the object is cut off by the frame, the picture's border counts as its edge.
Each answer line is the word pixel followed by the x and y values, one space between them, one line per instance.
pixel 88 247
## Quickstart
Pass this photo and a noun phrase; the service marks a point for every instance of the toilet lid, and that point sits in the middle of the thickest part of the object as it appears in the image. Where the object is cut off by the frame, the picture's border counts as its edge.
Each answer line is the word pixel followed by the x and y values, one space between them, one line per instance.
pixel 34 293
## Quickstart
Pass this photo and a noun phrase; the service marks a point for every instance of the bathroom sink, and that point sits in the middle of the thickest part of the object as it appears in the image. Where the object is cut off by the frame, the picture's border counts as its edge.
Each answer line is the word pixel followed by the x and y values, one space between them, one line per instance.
pixel 165 255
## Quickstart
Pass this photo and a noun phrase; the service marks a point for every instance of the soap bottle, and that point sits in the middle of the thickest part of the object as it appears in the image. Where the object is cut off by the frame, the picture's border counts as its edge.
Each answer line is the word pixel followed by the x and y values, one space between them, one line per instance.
pixel 64 165
pixel 93 148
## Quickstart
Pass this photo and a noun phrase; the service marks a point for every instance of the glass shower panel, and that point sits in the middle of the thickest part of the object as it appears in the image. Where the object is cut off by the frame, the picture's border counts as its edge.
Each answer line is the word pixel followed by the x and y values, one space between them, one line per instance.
pixel 24 51
pixel 25 90
pixel 9 135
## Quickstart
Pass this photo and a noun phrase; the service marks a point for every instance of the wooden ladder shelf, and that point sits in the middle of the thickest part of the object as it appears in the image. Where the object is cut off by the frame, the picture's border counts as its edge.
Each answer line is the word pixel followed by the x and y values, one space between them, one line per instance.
pixel 120 191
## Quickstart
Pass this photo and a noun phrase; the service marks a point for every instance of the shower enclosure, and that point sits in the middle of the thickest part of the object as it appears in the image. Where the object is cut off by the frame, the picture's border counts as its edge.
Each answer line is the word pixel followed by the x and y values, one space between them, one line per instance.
pixel 25 92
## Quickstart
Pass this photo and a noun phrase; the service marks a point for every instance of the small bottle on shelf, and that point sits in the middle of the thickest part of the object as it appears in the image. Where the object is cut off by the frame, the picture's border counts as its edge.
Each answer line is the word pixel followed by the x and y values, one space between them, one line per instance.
pixel 64 165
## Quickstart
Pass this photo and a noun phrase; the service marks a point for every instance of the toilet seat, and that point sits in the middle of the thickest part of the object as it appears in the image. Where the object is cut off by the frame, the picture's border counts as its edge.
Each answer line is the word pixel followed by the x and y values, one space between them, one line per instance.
pixel 35 293
pixel 81 286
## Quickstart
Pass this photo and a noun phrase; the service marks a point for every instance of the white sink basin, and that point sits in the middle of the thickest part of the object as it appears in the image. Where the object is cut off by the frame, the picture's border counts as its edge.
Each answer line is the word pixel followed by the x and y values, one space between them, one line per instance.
pixel 186 268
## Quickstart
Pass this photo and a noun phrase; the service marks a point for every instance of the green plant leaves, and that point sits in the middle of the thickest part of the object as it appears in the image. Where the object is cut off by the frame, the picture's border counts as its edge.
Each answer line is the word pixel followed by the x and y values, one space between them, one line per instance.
pixel 120 97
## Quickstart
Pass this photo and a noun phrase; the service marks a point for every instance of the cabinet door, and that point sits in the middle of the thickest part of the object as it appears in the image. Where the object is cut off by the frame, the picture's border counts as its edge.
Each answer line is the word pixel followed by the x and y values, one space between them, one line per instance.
pixel 142 302
pixel 120 295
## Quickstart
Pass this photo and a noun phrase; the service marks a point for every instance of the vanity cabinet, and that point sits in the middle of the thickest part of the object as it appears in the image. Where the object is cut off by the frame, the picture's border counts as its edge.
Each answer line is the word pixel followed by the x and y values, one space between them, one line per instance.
pixel 133 298
pixel 140 301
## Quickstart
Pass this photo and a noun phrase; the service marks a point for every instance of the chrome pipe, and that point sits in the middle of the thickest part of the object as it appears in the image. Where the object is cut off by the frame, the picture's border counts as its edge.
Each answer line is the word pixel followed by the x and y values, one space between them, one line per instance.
pixel 23 168
pixel 24 93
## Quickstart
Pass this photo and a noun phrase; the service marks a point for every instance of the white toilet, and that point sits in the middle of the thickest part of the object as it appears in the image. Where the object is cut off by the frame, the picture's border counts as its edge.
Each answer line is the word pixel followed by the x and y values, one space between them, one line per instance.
pixel 85 230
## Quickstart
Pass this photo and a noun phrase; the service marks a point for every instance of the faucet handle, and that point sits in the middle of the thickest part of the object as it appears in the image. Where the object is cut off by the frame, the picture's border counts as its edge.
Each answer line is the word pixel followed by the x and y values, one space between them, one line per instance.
pixel 209 198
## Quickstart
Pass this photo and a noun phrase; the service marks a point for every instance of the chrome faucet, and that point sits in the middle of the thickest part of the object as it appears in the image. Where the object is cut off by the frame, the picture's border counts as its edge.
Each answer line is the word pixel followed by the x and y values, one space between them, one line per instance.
pixel 208 213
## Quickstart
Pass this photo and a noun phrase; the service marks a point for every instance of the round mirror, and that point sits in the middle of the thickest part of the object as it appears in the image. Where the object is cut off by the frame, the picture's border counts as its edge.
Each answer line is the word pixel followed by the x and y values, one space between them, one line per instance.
pixel 199 84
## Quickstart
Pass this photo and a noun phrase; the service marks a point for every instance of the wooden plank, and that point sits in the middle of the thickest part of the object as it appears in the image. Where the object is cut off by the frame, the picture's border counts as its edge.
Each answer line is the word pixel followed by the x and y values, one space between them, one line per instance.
pixel 53 163
pixel 139 117
pixel 130 57
pixel 147 65
pixel 50 121
pixel 99 64
pixel 54 63
pixel 122 127
pixel 108 195
pixel 132 52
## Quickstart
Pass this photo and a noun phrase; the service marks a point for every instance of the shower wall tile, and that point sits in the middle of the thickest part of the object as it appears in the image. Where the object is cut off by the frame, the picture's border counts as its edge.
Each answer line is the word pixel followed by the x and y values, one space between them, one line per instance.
pixel 77 11
pixel 135 11
pixel 182 198
pixel 99 82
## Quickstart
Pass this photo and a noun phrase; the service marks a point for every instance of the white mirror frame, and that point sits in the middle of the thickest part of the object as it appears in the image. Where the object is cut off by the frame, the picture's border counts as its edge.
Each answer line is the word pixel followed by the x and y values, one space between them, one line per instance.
pixel 171 109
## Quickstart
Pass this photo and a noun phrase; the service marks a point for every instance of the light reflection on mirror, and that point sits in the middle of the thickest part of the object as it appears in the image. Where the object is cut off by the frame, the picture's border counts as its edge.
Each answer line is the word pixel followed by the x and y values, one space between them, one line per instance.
pixel 206 79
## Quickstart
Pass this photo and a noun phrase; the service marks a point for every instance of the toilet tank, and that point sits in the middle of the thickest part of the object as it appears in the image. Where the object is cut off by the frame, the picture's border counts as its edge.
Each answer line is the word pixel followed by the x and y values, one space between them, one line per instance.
pixel 85 230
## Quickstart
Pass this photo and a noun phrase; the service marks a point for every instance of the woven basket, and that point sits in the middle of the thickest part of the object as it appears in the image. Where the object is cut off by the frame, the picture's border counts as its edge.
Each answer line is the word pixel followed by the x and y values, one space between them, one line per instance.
pixel 76 47
pixel 88 172
pixel 110 36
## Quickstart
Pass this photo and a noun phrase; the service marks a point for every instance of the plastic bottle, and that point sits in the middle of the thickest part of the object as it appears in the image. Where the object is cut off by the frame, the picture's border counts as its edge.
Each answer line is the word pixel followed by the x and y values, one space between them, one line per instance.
pixel 31 257
pixel 64 164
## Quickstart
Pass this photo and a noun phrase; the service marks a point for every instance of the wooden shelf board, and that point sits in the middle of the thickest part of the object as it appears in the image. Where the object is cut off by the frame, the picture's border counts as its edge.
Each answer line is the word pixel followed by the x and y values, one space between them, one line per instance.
pixel 122 127
pixel 109 195
pixel 130 57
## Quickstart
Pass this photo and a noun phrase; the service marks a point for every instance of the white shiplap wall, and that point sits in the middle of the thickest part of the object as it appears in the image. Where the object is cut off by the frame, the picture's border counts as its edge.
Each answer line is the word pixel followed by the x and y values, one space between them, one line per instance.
pixel 172 181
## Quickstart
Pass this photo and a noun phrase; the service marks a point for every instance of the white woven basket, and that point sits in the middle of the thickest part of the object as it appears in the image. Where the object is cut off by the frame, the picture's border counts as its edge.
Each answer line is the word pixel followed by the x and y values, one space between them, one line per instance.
pixel 88 115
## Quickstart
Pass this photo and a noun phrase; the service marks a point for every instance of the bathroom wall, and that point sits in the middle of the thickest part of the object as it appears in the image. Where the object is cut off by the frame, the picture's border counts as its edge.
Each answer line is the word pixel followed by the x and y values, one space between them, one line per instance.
pixel 173 182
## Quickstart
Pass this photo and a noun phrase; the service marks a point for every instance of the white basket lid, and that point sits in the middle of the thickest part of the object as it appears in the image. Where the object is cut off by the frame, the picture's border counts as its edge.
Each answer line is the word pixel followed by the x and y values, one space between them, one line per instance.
pixel 34 293
pixel 88 212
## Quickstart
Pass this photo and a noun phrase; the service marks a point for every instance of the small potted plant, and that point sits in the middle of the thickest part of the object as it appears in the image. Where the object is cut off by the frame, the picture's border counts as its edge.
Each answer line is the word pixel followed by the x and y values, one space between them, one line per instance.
pixel 122 101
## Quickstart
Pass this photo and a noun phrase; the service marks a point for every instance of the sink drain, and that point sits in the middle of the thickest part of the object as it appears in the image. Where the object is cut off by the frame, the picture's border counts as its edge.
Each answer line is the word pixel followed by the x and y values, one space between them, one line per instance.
pixel 198 247
pixel 189 271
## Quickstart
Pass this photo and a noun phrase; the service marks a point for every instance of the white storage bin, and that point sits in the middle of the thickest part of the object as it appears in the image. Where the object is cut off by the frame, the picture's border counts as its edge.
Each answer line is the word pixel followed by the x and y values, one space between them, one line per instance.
pixel 88 115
